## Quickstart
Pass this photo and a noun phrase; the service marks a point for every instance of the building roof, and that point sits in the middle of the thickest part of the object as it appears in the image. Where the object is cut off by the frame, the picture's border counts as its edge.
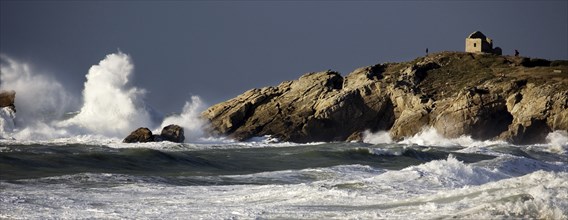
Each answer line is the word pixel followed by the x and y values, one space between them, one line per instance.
pixel 477 34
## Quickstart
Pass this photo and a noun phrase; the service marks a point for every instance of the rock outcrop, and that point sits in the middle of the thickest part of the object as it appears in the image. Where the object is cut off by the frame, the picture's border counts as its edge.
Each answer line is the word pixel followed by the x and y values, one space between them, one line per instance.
pixel 7 99
pixel 7 113
pixel 483 95
pixel 173 133
pixel 139 135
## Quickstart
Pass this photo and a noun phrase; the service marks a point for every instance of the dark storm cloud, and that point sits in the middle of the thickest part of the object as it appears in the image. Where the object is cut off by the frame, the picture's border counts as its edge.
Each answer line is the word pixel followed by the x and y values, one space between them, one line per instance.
pixel 219 49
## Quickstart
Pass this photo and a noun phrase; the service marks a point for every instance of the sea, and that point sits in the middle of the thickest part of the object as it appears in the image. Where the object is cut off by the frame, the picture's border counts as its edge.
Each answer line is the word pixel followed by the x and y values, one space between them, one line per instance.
pixel 62 164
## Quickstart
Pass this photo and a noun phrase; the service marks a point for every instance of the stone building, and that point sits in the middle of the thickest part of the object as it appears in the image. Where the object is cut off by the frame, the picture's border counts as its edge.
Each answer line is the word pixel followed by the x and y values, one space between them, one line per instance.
pixel 477 42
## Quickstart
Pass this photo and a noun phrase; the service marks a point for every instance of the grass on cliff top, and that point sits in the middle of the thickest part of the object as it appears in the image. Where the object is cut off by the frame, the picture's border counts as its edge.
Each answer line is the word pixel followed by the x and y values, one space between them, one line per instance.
pixel 461 70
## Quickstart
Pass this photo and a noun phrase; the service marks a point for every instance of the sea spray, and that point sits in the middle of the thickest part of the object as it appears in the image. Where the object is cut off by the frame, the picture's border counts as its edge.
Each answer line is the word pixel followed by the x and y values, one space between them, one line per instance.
pixel 427 137
pixel 40 98
pixel 7 116
pixel 189 119
pixel 559 138
pixel 380 137
pixel 558 141
pixel 111 106
pixel 40 101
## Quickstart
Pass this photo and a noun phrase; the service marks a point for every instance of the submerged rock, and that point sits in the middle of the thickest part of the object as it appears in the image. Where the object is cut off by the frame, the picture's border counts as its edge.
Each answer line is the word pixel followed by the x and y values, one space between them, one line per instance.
pixel 139 135
pixel 485 96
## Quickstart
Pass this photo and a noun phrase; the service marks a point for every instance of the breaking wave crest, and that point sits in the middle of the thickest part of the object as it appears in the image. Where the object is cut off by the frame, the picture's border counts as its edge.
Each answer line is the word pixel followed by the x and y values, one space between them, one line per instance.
pixel 111 106
pixel 189 119
pixel 40 98
pixel 557 140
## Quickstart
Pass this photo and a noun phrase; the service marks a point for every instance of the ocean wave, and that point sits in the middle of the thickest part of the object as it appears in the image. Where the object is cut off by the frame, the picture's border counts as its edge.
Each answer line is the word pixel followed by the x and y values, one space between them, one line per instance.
pixel 556 141
pixel 427 137
pixel 112 107
pixel 448 173
pixel 540 194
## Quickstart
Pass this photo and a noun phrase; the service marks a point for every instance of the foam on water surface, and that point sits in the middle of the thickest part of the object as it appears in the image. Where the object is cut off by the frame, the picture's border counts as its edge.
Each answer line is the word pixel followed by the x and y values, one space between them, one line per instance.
pixel 502 187
pixel 427 137
pixel 540 194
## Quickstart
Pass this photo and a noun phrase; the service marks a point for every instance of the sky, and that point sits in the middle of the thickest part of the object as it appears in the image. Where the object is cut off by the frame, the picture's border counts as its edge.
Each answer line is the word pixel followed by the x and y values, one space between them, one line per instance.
pixel 219 49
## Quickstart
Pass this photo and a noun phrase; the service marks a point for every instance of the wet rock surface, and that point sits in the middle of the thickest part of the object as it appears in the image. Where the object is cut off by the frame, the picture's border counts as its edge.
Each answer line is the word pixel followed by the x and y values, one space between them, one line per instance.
pixel 173 133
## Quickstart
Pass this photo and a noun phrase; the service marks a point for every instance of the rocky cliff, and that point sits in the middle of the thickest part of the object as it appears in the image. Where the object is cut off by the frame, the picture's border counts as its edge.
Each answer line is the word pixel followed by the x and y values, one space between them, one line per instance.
pixel 483 95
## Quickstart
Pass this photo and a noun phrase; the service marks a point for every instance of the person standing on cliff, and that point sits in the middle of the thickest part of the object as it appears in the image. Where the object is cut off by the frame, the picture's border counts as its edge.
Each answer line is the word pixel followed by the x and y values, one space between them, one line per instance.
pixel 426 51
pixel 516 53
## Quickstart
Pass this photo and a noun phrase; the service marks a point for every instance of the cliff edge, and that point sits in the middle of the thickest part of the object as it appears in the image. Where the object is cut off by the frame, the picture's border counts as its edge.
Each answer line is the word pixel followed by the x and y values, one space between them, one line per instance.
pixel 487 96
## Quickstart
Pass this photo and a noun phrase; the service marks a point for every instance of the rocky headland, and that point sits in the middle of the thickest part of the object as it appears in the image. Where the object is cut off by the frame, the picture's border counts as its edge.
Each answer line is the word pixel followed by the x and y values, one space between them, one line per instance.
pixel 486 96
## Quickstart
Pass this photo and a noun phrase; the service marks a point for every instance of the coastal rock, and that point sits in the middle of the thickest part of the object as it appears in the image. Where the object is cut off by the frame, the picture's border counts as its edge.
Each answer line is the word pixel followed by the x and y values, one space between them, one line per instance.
pixel 7 99
pixel 476 112
pixel 173 133
pixel 7 113
pixel 139 135
pixel 485 96
pixel 537 110
pixel 314 107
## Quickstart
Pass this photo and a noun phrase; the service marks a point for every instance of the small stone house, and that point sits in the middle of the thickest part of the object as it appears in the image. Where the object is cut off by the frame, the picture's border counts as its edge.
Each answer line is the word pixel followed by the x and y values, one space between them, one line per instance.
pixel 477 42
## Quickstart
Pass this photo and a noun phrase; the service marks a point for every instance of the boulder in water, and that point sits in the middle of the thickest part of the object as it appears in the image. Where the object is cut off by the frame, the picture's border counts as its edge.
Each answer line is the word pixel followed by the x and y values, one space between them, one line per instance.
pixel 173 133
pixel 139 135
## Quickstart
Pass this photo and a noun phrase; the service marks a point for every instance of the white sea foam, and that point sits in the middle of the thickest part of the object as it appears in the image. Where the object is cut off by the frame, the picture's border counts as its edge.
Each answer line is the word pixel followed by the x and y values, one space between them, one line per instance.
pixel 7 116
pixel 430 137
pixel 438 189
pixel 40 99
pixel 449 173
pixel 111 106
pixel 427 137
pixel 557 142
pixel 386 150
pixel 380 137
pixel 559 138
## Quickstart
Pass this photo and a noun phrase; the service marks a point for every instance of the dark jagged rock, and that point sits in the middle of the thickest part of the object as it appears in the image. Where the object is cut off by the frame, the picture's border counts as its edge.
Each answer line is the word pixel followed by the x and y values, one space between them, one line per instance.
pixel 139 135
pixel 534 62
pixel 483 95
pixel 7 99
pixel 173 133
